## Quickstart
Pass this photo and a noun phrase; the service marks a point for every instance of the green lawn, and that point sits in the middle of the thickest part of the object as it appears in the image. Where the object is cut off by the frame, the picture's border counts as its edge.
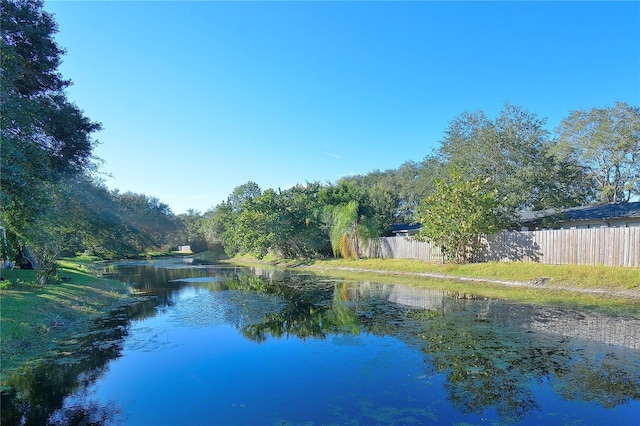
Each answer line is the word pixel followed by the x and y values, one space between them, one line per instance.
pixel 579 276
pixel 34 319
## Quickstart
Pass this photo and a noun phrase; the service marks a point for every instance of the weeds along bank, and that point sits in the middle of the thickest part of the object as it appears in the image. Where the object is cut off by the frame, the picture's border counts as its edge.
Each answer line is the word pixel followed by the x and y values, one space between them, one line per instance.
pixel 597 287
pixel 577 276
pixel 33 319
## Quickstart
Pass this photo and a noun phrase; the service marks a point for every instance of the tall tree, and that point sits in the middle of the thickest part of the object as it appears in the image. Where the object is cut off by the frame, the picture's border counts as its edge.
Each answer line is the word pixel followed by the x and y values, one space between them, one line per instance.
pixel 257 224
pixel 191 231
pixel 300 233
pixel 513 154
pixel 606 142
pixel 222 225
pixel 349 229
pixel 84 216
pixel 219 228
pixel 243 194
pixel 343 233
pixel 382 208
pixel 44 136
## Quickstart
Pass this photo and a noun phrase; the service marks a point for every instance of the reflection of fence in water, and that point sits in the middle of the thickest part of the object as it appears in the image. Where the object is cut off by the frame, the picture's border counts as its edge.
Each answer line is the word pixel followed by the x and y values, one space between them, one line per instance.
pixel 613 331
pixel 609 330
pixel 598 328
pixel 408 296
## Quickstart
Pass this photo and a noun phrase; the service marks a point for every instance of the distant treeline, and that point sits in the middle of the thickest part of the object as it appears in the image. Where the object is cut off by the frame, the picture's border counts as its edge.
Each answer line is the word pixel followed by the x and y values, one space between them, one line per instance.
pixel 592 157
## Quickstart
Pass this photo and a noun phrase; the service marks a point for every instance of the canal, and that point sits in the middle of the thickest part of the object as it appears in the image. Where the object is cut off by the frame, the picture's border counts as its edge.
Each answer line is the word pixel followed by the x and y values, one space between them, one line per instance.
pixel 225 345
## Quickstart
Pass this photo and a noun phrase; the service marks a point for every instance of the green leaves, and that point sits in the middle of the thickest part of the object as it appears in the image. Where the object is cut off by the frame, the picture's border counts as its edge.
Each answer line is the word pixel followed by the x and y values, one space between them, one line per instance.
pixel 606 143
pixel 343 233
pixel 457 214
pixel 512 152
pixel 45 137
pixel 304 221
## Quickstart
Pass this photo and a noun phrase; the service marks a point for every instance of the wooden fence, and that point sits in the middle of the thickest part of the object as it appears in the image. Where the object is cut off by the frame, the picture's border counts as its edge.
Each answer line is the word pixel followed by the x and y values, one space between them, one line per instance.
pixel 597 246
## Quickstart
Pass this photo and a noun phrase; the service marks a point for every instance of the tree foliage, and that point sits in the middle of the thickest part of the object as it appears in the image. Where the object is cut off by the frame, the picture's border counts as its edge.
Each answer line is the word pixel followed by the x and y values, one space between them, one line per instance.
pixel 48 198
pixel 606 142
pixel 84 216
pixel 255 222
pixel 457 214
pixel 219 228
pixel 300 232
pixel 304 221
pixel 45 137
pixel 343 232
pixel 513 153
pixel 190 231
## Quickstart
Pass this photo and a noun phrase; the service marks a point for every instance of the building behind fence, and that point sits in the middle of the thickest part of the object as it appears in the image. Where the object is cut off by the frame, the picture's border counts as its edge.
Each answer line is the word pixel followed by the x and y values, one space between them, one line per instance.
pixel 597 246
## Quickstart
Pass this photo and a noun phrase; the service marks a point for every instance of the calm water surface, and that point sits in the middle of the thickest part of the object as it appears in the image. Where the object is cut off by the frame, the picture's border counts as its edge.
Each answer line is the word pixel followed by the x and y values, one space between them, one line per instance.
pixel 218 345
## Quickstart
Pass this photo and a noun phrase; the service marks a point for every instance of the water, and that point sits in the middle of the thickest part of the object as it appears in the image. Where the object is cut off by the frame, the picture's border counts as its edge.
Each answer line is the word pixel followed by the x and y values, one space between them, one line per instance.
pixel 232 346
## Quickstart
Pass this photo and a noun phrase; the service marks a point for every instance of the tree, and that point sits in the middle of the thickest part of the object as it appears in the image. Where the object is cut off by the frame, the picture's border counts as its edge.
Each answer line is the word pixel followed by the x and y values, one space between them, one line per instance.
pixel 220 228
pixel 152 220
pixel 348 229
pixel 382 208
pixel 353 213
pixel 286 223
pixel 243 194
pixel 84 216
pixel 257 224
pixel 222 225
pixel 606 142
pixel 457 214
pixel 191 231
pixel 343 232
pixel 415 181
pixel 300 233
pixel 44 136
pixel 513 154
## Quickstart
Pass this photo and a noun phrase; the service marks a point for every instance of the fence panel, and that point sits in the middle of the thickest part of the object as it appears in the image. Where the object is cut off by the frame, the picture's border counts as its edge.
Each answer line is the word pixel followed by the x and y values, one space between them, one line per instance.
pixel 597 246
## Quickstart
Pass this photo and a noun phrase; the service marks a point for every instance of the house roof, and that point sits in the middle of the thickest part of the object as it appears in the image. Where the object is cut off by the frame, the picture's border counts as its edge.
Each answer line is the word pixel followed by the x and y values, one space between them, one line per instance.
pixel 405 227
pixel 603 212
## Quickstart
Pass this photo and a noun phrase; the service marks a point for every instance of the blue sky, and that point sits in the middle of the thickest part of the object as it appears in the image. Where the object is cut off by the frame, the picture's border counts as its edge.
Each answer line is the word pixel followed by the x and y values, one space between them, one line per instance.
pixel 197 98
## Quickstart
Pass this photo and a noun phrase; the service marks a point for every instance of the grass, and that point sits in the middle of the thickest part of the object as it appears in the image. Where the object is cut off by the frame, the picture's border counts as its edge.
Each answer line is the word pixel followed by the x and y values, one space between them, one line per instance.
pixel 33 320
pixel 611 289
pixel 579 276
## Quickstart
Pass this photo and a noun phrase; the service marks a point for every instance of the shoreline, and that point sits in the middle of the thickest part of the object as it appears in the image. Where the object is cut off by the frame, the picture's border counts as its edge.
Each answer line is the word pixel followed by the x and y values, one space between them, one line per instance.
pixel 540 280
pixel 533 284
pixel 33 321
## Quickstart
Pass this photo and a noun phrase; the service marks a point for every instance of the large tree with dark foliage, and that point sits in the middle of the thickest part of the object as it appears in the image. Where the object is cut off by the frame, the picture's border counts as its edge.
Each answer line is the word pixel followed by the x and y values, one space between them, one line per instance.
pixel 45 137
pixel 606 142
pixel 514 153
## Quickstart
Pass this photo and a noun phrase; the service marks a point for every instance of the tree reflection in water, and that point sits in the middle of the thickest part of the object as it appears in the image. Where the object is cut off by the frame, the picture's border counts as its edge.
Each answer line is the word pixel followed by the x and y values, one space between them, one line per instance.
pixel 492 354
pixel 487 365
pixel 36 394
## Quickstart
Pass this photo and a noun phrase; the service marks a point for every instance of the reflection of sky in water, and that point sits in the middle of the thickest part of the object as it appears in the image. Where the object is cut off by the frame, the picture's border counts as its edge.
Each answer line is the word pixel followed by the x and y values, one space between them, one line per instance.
pixel 413 357
pixel 198 280
pixel 199 307
pixel 214 376
pixel 194 348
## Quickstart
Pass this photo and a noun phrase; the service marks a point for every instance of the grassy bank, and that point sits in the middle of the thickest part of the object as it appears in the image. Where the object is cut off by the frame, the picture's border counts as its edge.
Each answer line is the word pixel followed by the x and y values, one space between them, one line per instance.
pixel 33 320
pixel 615 279
pixel 595 287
